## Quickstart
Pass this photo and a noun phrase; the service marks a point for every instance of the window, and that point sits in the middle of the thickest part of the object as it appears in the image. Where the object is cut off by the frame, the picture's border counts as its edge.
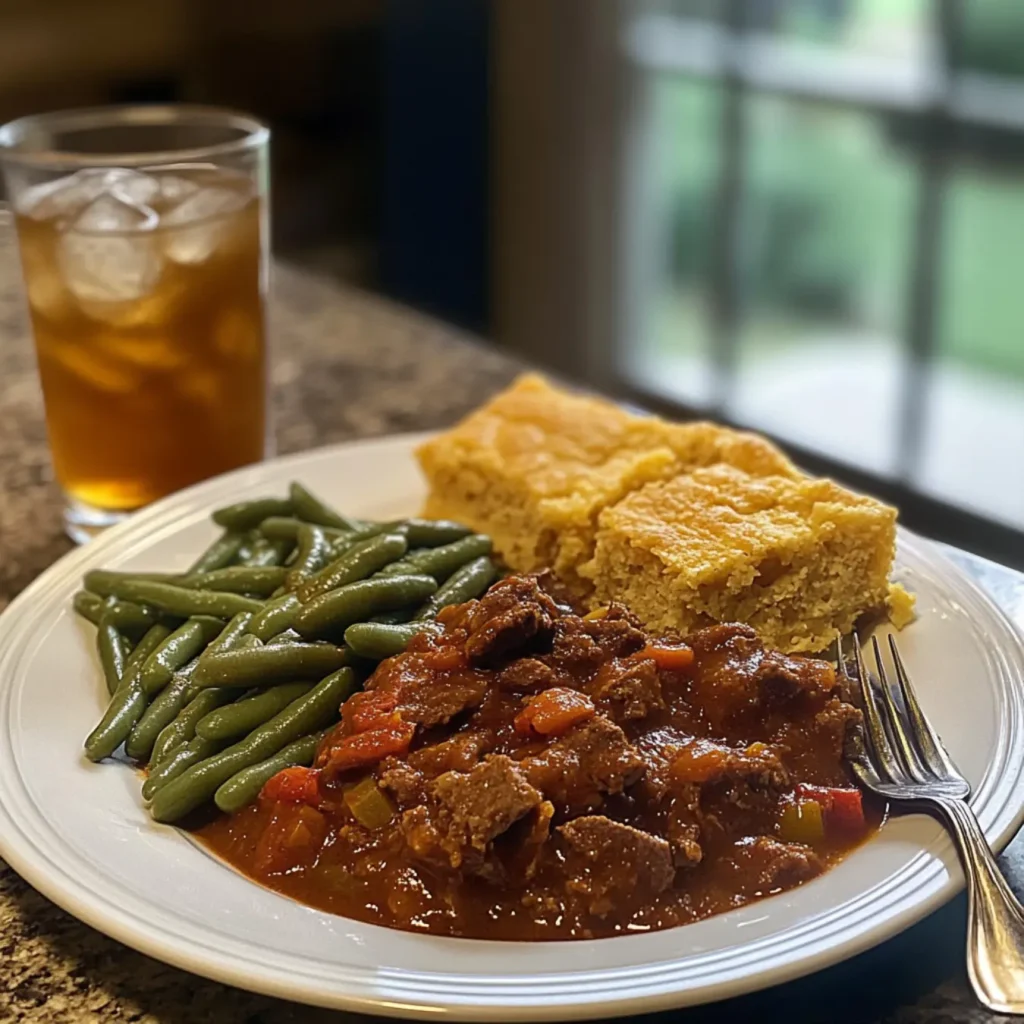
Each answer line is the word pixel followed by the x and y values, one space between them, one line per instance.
pixel 821 228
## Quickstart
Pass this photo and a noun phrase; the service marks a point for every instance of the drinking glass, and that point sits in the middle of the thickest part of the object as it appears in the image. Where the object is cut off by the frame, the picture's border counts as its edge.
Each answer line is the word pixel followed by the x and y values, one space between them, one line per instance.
pixel 144 249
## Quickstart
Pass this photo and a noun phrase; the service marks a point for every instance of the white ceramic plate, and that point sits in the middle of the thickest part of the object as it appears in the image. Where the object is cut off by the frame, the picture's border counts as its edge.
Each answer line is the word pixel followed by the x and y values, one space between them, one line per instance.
pixel 79 832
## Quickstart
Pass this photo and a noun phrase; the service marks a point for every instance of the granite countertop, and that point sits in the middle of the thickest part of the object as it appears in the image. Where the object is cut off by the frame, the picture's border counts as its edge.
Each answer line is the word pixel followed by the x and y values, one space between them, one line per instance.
pixel 347 365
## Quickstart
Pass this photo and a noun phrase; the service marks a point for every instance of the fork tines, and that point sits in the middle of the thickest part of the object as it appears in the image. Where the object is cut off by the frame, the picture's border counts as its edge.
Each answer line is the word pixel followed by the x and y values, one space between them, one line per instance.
pixel 902 747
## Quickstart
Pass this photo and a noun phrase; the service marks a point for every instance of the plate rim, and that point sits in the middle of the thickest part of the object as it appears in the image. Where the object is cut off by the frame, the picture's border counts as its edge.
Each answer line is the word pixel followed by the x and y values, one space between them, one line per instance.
pixel 174 512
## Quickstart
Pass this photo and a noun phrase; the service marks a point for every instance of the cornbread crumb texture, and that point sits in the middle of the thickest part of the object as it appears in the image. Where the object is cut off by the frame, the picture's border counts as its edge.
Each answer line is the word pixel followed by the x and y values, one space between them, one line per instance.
pixel 798 559
pixel 899 605
pixel 536 465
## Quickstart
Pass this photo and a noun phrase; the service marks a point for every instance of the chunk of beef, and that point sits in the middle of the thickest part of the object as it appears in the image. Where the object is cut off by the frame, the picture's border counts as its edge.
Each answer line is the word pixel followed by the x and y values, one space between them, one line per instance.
pixel 431 701
pixel 685 821
pixel 573 648
pixel 411 685
pixel 766 865
pixel 519 849
pixel 831 727
pixel 617 632
pixel 613 864
pixel 405 783
pixel 588 763
pixel 582 643
pixel 460 753
pixel 837 722
pixel 514 617
pixel 526 675
pixel 713 639
pixel 628 689
pixel 725 684
pixel 739 680
pixel 480 804
pixel 467 811
pixel 783 678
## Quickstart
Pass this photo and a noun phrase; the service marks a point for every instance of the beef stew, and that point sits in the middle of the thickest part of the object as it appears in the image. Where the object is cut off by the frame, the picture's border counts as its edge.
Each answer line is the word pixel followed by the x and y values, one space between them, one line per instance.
pixel 534 774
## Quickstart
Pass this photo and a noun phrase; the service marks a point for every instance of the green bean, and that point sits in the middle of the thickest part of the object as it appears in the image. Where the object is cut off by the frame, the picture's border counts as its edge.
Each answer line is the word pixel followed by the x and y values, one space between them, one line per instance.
pixel 266 552
pixel 311 509
pixel 379 640
pixel 245 786
pixel 441 562
pixel 182 602
pixel 265 666
pixel 430 533
pixel 222 552
pixel 183 727
pixel 329 615
pixel 275 617
pixel 127 703
pixel 362 560
pixel 166 706
pixel 90 606
pixel 309 713
pixel 129 617
pixel 289 636
pixel 175 721
pixel 346 541
pixel 106 582
pixel 259 581
pixel 280 528
pixel 312 552
pixel 188 640
pixel 177 761
pixel 240 718
pixel 232 635
pixel 286 528
pixel 246 515
pixel 113 650
pixel 463 585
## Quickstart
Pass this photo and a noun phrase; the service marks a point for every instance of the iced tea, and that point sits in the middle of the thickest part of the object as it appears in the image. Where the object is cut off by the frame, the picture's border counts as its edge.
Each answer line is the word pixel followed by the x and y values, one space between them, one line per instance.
pixel 146 292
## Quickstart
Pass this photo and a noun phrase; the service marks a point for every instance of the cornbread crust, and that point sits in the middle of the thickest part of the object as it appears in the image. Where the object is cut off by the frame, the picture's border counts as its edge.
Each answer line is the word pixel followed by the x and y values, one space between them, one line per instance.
pixel 797 559
pixel 536 465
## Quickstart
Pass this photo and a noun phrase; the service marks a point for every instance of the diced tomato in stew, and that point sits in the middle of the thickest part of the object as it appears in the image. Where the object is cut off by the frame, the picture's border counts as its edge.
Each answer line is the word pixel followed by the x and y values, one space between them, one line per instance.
pixel 367 748
pixel 368 710
pixel 293 786
pixel 554 712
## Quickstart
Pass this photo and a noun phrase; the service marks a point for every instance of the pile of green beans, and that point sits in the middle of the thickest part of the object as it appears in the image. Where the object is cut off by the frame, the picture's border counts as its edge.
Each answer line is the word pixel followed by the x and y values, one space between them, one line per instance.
pixel 225 673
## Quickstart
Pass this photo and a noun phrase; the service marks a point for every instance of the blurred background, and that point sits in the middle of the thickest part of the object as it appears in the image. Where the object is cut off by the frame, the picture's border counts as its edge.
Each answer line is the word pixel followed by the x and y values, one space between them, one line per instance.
pixel 801 216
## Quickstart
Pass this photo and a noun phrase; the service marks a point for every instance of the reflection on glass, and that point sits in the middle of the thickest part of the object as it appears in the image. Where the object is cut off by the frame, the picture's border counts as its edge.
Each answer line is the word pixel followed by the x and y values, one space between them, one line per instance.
pixel 826 235
pixel 973 437
pixel 671 222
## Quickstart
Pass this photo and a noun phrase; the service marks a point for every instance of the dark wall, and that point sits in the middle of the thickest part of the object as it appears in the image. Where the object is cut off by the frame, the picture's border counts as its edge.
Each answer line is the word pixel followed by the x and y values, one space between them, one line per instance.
pixel 434 199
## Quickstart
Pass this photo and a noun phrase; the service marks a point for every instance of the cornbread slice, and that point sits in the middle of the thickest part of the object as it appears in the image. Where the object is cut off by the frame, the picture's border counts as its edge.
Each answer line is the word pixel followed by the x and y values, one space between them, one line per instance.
pixel 536 465
pixel 798 559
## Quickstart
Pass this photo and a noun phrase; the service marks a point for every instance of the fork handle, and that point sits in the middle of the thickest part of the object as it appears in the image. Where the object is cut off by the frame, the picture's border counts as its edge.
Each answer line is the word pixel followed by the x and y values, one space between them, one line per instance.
pixel 995 918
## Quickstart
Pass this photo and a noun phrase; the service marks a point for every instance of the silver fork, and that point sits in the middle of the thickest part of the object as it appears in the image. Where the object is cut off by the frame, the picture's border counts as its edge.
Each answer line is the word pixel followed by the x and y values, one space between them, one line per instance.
pixel 904 761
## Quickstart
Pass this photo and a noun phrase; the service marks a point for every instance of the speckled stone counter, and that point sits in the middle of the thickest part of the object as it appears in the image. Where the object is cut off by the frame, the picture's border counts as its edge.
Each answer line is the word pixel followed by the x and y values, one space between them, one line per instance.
pixel 346 366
